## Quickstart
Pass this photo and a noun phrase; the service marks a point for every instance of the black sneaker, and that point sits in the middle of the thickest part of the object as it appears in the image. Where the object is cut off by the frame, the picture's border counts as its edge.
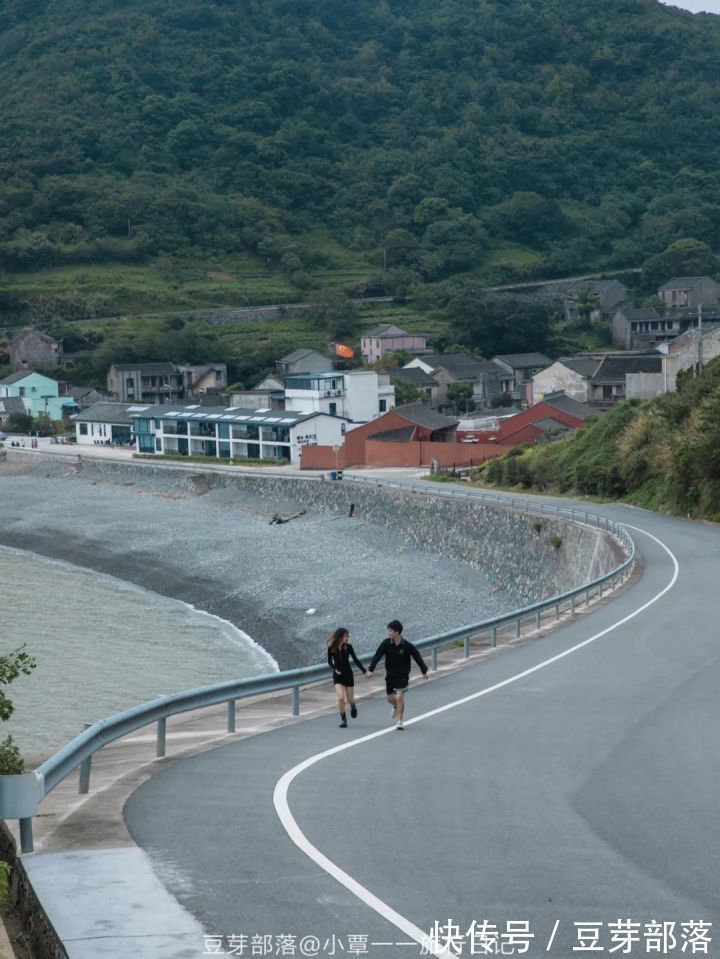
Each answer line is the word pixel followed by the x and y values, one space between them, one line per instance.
pixel 343 724
pixel 353 710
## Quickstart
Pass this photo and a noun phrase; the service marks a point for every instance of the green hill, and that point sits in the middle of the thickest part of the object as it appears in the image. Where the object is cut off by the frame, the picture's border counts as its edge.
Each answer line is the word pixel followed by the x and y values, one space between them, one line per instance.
pixel 664 454
pixel 415 139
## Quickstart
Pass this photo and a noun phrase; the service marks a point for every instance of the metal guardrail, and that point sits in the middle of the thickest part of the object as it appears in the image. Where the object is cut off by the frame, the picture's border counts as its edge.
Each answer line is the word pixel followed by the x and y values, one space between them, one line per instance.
pixel 20 796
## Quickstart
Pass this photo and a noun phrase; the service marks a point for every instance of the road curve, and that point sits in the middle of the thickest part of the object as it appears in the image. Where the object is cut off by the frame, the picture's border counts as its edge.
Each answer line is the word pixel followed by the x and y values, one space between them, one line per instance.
pixel 563 782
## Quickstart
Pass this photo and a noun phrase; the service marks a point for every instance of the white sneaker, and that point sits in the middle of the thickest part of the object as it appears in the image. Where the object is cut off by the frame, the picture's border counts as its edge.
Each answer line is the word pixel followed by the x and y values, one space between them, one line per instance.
pixel 394 712
pixel 400 725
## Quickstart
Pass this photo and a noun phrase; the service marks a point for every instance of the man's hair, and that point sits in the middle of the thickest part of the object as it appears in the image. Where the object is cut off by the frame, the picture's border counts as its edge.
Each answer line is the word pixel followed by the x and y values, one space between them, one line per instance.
pixel 395 625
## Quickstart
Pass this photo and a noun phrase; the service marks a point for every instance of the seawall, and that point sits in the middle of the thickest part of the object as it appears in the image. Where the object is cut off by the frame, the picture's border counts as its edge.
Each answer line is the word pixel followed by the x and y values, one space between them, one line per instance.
pixel 527 557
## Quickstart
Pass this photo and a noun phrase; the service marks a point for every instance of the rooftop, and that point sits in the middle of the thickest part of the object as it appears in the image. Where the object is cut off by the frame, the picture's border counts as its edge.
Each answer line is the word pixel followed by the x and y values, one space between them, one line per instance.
pixel 456 364
pixel 522 361
pixel 301 354
pixel 682 282
pixel 423 415
pixel 107 412
pixel 16 377
pixel 224 414
pixel 385 329
pixel 566 404
pixel 413 375
pixel 614 367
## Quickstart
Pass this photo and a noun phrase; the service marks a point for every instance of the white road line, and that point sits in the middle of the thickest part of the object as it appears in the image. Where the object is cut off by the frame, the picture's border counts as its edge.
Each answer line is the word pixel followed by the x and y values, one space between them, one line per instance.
pixel 364 895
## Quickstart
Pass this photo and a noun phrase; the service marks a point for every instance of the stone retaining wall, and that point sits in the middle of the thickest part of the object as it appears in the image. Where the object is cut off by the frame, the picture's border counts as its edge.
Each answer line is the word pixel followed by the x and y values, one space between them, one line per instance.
pixel 528 556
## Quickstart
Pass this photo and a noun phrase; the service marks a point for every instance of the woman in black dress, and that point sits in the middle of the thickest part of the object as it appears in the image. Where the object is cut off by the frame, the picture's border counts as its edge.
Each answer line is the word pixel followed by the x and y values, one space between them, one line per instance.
pixel 340 652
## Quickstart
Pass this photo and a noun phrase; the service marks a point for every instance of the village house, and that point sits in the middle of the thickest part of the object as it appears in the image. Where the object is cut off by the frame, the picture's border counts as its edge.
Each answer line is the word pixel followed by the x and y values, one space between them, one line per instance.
pixel 303 361
pixel 487 379
pixel 39 394
pixel 599 379
pixel 145 383
pixel 387 338
pixel 552 416
pixel 31 347
pixel 11 406
pixel 417 378
pixel 642 328
pixel 521 367
pixel 590 300
pixel 410 435
pixel 269 393
pixel 231 432
pixel 104 423
pixel 690 292
pixel 208 378
pixel 358 395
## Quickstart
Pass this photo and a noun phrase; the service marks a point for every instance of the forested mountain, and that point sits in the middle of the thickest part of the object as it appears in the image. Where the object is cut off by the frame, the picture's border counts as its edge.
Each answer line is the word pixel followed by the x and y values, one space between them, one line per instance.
pixel 424 134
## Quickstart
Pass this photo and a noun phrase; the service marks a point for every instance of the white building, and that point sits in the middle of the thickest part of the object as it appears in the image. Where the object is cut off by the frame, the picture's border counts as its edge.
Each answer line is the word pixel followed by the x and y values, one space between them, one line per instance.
pixel 105 423
pixel 232 432
pixel 358 395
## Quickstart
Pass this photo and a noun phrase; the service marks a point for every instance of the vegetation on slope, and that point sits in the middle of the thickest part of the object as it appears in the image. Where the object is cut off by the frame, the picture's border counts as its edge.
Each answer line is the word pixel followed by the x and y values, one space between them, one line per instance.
pixel 663 454
pixel 422 137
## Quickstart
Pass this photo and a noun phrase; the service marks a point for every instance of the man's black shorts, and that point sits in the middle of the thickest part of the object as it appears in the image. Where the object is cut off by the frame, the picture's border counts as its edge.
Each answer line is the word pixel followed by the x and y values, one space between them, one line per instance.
pixel 396 683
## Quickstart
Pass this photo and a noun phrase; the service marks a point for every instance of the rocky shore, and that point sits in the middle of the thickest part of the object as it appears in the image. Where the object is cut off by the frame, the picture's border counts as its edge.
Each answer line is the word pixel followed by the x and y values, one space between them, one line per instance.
pixel 287 585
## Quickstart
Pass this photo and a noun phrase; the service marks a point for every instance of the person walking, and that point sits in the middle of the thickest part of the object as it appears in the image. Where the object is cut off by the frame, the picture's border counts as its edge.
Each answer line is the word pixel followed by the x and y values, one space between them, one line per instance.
pixel 397 652
pixel 340 652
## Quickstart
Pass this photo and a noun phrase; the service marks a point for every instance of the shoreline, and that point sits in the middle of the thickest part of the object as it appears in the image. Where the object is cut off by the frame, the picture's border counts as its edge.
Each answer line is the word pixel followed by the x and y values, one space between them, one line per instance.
pixel 216 552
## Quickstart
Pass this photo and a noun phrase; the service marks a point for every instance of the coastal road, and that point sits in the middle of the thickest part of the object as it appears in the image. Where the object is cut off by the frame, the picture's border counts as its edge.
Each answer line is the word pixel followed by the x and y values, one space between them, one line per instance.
pixel 572 780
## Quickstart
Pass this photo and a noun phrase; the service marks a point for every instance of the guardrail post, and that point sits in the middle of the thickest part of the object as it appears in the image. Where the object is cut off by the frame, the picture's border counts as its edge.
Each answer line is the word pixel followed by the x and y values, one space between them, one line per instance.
pixel 517 627
pixel 434 658
pixel 572 603
pixel 84 780
pixel 587 596
pixel 538 619
pixel 26 835
pixel 493 639
pixel 231 716
pixel 601 590
pixel 466 647
pixel 160 739
pixel 587 516
pixel 557 610
pixel 296 700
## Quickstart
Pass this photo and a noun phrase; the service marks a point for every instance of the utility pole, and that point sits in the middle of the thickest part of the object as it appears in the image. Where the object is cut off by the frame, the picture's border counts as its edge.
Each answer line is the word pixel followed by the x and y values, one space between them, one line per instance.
pixel 700 336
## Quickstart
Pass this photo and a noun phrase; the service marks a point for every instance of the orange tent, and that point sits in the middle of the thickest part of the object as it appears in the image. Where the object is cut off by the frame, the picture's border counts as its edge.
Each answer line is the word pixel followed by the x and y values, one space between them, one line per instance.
pixel 347 351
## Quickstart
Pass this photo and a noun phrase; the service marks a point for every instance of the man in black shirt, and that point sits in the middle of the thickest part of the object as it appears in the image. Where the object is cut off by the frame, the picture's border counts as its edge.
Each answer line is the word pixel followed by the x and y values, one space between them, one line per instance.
pixel 397 652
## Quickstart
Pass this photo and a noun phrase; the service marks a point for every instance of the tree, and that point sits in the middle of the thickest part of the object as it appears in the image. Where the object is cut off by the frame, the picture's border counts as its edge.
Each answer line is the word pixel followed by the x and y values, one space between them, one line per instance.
pixel 334 313
pixel 407 393
pixel 688 257
pixel 20 422
pixel 392 360
pixel 460 394
pixel 16 663
pixel 508 325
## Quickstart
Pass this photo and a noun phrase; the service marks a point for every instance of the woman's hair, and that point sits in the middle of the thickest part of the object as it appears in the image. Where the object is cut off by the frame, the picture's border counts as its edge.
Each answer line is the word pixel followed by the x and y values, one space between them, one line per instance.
pixel 335 639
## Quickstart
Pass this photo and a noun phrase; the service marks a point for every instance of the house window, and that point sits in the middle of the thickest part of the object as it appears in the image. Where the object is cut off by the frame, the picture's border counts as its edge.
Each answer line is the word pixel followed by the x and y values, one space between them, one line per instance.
pixel 21 391
pixel 333 409
pixel 383 406
pixel 607 392
pixel 83 429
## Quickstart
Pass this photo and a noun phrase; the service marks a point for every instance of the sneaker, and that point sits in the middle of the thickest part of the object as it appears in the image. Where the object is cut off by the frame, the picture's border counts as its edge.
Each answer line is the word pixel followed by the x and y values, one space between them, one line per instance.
pixel 343 724
pixel 400 726
pixel 394 712
pixel 353 710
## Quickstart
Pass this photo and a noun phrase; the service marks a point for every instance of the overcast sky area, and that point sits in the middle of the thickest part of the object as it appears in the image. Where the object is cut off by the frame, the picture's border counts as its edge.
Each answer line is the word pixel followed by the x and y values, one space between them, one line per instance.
pixel 709 6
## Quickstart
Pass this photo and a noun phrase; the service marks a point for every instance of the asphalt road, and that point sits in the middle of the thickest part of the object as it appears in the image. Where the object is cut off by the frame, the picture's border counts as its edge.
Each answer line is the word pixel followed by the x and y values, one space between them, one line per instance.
pixel 576 784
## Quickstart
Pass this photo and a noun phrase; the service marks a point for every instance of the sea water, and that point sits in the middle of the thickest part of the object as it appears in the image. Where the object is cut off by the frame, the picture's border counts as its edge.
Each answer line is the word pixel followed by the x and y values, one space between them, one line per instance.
pixel 102 645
